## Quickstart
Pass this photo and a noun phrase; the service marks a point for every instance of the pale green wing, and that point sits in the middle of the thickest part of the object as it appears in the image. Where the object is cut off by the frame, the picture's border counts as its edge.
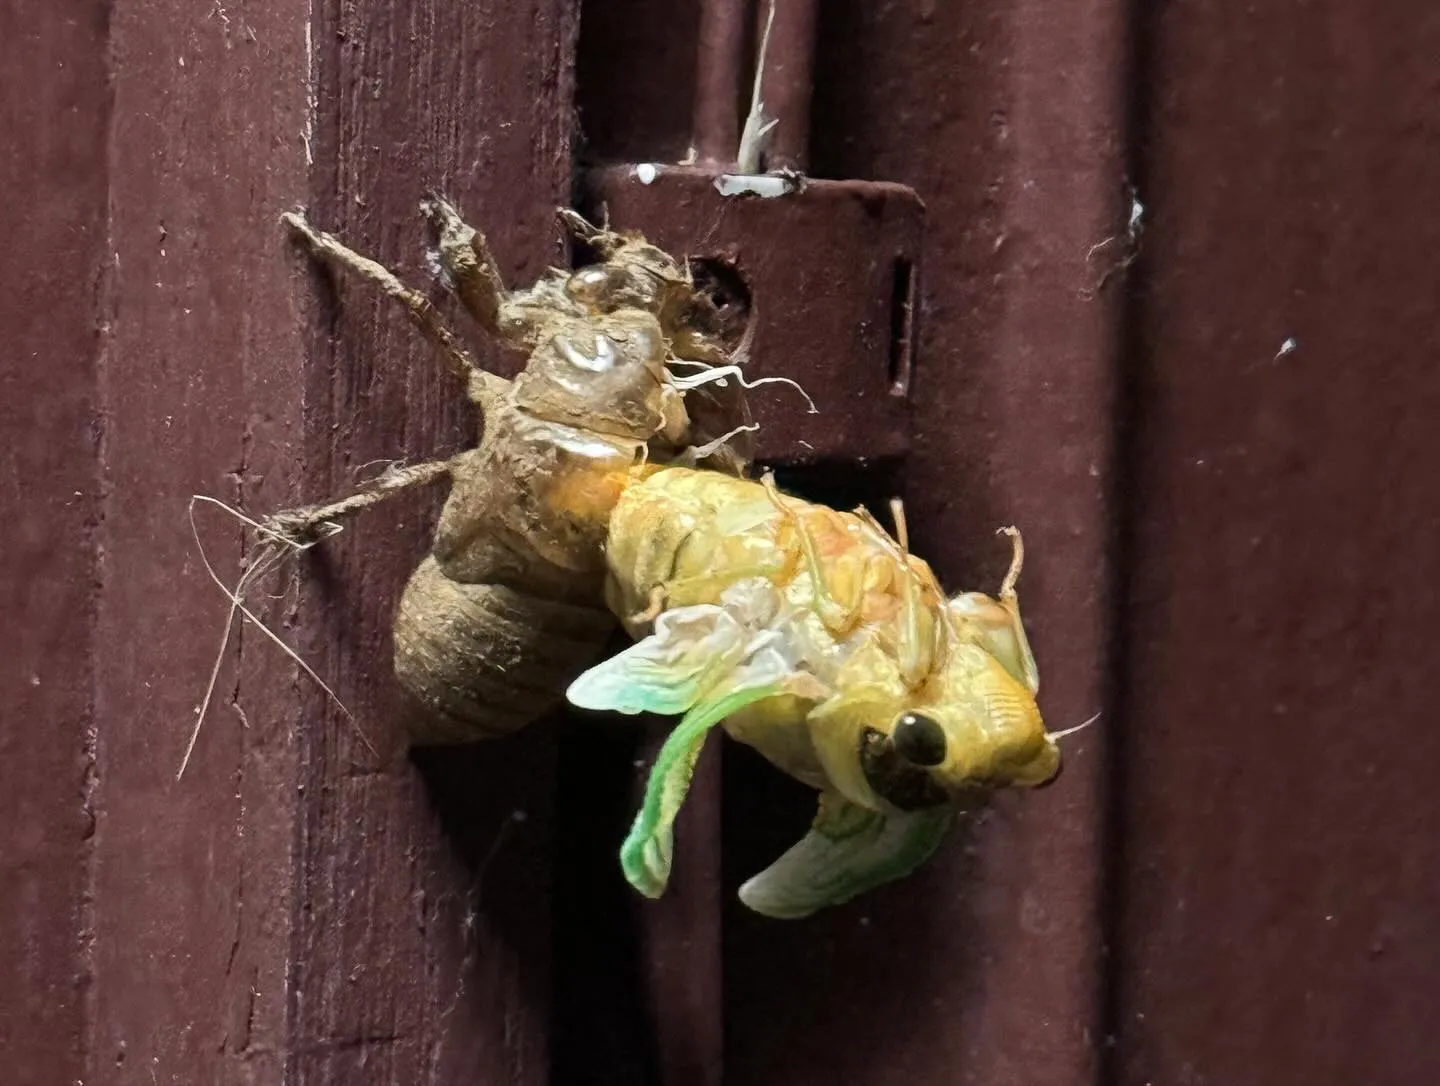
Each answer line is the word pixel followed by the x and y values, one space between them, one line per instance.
pixel 667 671
pixel 693 651
pixel 848 850
pixel 646 854
pixel 705 661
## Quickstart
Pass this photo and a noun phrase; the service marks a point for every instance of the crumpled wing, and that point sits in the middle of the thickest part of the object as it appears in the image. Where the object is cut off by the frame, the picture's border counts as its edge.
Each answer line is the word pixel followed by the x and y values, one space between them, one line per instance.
pixel 667 671
pixel 646 855
pixel 848 850
pixel 693 651
pixel 707 662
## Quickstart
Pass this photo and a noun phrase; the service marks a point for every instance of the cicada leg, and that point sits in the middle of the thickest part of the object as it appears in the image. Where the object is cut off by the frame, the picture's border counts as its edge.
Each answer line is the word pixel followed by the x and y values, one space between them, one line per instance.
pixel 1010 600
pixel 705 585
pixel 915 654
pixel 305 524
pixel 1017 563
pixel 466 257
pixel 600 238
pixel 995 624
pixel 916 657
pixel 838 618
pixel 653 608
pixel 484 387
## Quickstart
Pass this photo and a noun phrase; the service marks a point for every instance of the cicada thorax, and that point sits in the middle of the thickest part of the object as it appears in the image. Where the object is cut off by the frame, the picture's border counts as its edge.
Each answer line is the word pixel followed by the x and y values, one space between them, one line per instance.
pixel 509 607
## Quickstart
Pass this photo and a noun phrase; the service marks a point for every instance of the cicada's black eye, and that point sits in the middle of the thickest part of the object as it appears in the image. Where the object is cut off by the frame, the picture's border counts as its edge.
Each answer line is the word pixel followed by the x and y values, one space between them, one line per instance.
pixel 919 739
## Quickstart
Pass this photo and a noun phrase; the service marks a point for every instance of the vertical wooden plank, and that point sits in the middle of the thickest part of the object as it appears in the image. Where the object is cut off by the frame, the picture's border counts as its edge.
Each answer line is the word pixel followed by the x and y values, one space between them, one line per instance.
pixel 200 391
pixel 636 80
pixel 424 944
pixel 1006 118
pixel 681 940
pixel 300 908
pixel 1281 839
pixel 52 125
pixel 1027 419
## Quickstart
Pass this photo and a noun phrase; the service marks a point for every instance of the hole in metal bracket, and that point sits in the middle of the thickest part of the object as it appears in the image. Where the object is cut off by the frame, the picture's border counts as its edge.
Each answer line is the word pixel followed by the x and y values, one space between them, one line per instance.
pixel 727 314
pixel 902 325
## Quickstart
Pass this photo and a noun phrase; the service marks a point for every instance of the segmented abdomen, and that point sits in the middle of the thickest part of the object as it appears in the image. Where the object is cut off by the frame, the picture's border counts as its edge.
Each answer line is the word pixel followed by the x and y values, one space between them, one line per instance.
pixel 485 659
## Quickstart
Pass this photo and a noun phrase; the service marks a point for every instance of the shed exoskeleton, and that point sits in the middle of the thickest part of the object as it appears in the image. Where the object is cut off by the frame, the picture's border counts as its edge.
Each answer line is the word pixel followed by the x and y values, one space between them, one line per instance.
pixel 493 623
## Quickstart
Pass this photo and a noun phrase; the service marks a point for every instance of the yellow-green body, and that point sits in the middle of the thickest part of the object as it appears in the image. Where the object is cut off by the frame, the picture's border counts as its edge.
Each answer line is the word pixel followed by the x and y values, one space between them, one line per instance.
pixel 692 534
pixel 811 635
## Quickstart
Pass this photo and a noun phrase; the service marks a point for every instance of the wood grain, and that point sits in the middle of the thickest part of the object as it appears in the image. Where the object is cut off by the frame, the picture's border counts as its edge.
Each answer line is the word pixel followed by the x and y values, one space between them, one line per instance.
pixel 53 218
pixel 1279 839
pixel 424 934
pixel 200 392
pixel 298 907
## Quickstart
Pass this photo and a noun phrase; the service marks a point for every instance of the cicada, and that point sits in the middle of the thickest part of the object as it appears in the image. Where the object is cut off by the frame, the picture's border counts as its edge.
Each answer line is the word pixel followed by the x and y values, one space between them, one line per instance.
pixel 815 637
pixel 612 481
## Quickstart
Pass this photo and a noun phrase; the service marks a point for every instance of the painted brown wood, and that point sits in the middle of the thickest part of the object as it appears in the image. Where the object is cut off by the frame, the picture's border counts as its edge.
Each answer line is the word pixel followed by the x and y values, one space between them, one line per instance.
pixel 1279 864
pixel 433 886
pixel 199 392
pixel 53 218
pixel 299 908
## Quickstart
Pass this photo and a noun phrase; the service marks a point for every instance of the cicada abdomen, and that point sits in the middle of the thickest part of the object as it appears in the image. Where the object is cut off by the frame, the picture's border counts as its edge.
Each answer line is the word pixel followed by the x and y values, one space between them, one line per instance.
pixel 508 607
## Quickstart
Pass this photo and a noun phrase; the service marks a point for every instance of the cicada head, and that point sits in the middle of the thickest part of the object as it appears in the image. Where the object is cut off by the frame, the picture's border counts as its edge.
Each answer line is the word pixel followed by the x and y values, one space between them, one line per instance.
pixel 974 726
pixel 599 357
pixel 979 727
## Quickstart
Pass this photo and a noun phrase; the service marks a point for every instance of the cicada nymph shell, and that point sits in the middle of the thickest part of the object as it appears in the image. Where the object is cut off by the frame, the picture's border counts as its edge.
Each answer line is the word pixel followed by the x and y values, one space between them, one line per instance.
pixel 494 624
pixel 484 659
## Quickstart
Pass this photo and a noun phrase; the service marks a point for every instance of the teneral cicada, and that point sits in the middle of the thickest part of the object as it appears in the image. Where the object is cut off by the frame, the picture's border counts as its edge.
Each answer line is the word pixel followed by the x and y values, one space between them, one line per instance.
pixel 815 637
pixel 611 480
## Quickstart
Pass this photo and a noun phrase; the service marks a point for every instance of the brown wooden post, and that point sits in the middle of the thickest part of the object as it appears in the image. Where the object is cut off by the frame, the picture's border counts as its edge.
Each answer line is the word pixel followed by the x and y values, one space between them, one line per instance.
pixel 53 222
pixel 432 886
pixel 200 391
pixel 1007 119
pixel 296 908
